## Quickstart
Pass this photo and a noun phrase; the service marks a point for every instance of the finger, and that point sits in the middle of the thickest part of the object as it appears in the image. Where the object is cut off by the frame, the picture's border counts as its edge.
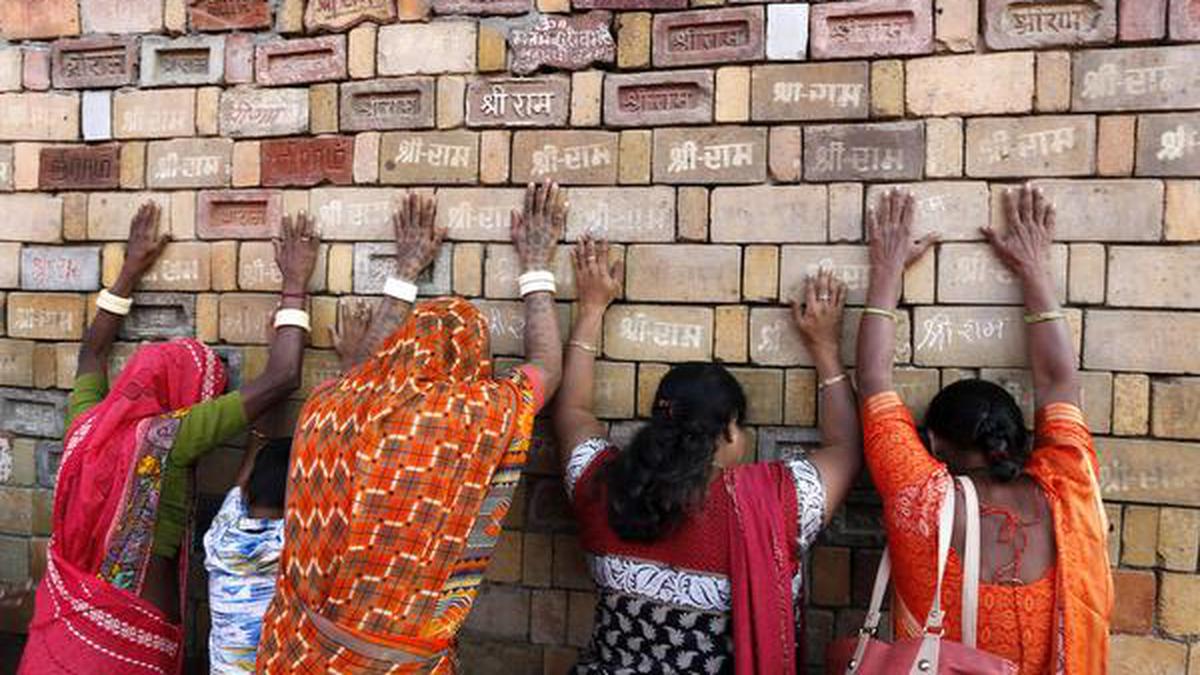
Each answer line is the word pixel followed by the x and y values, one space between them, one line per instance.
pixel 516 224
pixel 842 291
pixel 1026 204
pixel 530 197
pixel 872 224
pixel 278 248
pixel 576 262
pixel 542 195
pixel 908 208
pixel 1039 206
pixel 1011 210
pixel 1050 221
pixel 602 249
pixel 429 211
pixel 810 292
pixel 924 243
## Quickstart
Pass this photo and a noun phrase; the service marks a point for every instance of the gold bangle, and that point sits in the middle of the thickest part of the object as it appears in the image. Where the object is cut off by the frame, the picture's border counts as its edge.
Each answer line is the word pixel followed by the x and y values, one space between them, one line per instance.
pixel 886 313
pixel 1043 317
pixel 591 349
pixel 830 381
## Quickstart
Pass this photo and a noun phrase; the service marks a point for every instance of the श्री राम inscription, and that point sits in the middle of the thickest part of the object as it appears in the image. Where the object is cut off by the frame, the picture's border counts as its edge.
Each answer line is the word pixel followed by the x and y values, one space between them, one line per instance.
pixel 890 151
pixel 569 157
pixel 1154 78
pixel 1049 145
pixel 189 163
pixel 519 102
pixel 304 162
pixel 99 61
pixel 1021 24
pixel 84 167
pixel 650 99
pixel 570 42
pixel 263 112
pixel 1169 145
pixel 708 36
pixel 720 155
pixel 811 91
pixel 394 103
pixel 438 157
pixel 871 28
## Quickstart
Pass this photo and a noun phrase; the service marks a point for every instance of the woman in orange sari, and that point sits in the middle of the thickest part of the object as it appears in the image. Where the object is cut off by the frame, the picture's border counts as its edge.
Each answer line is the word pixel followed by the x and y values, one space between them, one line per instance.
pixel 1045 591
pixel 403 470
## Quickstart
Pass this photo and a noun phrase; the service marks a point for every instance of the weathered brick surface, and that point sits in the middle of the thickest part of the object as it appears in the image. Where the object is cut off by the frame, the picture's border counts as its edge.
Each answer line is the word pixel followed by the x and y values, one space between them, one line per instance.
pixel 941 85
pixel 226 14
pixel 91 62
pixel 182 61
pixel 188 163
pixel 51 116
pixel 1169 145
pixel 629 214
pixel 263 112
pixel 300 61
pixel 769 214
pixel 238 214
pixel 1140 341
pixel 651 99
pixel 710 155
pixel 890 151
pixel 1014 24
pixel 55 268
pixel 526 102
pixel 1031 146
pixel 683 273
pixel 79 167
pixel 566 42
pixel 444 157
pixel 649 332
pixel 708 36
pixel 1135 79
pixel 871 28
pixel 569 157
pixel 811 91
pixel 442 47
pixel 307 161
pixel 154 114
pixel 396 103
pixel 1099 210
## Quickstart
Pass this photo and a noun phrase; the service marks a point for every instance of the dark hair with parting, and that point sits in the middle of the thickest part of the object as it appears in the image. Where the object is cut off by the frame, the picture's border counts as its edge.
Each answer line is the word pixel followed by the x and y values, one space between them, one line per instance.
pixel 268 479
pixel 652 483
pixel 979 415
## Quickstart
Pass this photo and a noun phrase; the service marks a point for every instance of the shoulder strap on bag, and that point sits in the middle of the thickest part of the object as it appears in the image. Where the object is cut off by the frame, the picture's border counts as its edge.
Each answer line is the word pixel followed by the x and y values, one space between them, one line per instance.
pixel 874 612
pixel 927 656
pixel 970 595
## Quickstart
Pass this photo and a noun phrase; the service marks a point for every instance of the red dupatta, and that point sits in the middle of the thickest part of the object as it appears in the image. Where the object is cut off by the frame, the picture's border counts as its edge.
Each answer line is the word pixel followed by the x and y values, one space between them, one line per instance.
pixel 89 617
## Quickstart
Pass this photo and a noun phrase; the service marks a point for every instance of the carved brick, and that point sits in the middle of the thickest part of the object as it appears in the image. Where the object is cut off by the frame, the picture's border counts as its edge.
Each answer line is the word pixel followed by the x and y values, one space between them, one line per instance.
pixel 229 14
pixel 162 113
pixel 182 61
pixel 47 456
pixel 478 214
pixel 33 413
pixel 1048 145
pixel 569 42
pixel 890 151
pixel 811 91
pixel 969 336
pixel 630 4
pixel 775 342
pixel 440 157
pixel 525 102
pixel 91 62
pixel 306 162
pixel 624 214
pixel 45 316
pixel 60 268
pixel 710 155
pixel 649 99
pixel 708 36
pixel 398 103
pixel 263 112
pixel 183 266
pixel 189 163
pixel 355 214
pixel 238 214
pixel 82 167
pixel 569 157
pixel 1168 145
pixel 246 317
pixel 1021 24
pixel 871 28
pixel 659 333
pixel 339 15
pixel 160 315
pixel 374 262
pixel 954 209
pixel 1153 78
pixel 302 61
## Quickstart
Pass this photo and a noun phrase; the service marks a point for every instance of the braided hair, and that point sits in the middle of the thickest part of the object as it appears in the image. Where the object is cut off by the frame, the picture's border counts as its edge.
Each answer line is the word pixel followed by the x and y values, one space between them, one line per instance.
pixel 664 471
pixel 980 415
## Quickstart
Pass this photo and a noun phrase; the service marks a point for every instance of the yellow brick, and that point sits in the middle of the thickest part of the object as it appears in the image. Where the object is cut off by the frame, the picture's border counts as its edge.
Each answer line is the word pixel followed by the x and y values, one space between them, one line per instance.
pixel 175 16
pixel 341 268
pixel 74 216
pixel 207 105
pixel 451 101
pixel 207 325
pixel 323 108
pixel 26 161
pixel 784 153
pixel 1115 147
pixel 1139 537
pixel 361 51
pixel 800 397
pixel 323 310
pixel 957 25
pixel 586 92
pixel 493 156
pixel 943 147
pixel 289 16
pixel 493 50
pixel 366 157
pixel 1131 404
pixel 1085 283
pixel 920 279
pixel 634 165
pixel 649 375
pixel 1178 598
pixel 224 263
pixel 733 94
pixel 1053 82
pixel 66 357
pixel 732 329
pixel 246 164
pixel 554 6
pixel 616 389
pixel 1178 538
pixel 295 202
pixel 633 40
pixel 412 10
pixel 1181 222
pixel 692 207
pixel 112 257
pixel 45 365
pixel 183 215
pixel 887 88
pixel 468 269
pixel 760 281
pixel 133 164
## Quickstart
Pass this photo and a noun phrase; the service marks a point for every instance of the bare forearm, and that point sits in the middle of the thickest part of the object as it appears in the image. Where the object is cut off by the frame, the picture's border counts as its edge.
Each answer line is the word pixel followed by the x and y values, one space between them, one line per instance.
pixel 388 316
pixel 838 410
pixel 98 341
pixel 578 380
pixel 1051 354
pixel 543 345
pixel 285 358
pixel 877 335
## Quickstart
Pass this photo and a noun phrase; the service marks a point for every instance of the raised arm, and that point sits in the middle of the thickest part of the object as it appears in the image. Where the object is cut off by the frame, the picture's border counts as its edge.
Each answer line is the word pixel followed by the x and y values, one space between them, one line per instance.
pixel 145 245
pixel 536 231
pixel 892 250
pixel 819 321
pixel 348 337
pixel 1025 249
pixel 296 255
pixel 598 283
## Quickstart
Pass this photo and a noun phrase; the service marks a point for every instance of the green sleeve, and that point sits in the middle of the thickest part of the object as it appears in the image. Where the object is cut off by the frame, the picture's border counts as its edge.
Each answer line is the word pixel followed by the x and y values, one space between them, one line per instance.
pixel 89 389
pixel 204 427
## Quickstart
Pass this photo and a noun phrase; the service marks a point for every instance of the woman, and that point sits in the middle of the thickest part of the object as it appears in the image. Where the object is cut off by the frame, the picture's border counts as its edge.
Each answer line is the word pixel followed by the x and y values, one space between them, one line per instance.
pixel 697 557
pixel 111 598
pixel 403 470
pixel 1045 591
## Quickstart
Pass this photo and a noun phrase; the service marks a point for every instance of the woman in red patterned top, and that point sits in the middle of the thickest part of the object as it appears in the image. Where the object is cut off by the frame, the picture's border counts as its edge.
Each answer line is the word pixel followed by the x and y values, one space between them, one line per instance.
pixel 698 557
pixel 1045 591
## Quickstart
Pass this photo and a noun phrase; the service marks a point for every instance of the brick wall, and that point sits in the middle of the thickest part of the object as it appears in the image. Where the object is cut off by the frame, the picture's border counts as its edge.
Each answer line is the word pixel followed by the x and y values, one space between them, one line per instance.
pixel 728 150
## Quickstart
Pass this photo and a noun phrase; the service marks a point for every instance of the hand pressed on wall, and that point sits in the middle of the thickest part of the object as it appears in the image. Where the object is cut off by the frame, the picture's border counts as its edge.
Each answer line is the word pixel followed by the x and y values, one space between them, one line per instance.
pixel 818 314
pixel 597 281
pixel 418 238
pixel 1025 247
pixel 296 252
pixel 537 229
pixel 146 242
pixel 349 335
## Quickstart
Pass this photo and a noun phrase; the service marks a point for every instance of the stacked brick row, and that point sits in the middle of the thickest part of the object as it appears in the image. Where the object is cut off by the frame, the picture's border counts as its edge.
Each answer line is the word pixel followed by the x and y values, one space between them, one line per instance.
pixel 728 148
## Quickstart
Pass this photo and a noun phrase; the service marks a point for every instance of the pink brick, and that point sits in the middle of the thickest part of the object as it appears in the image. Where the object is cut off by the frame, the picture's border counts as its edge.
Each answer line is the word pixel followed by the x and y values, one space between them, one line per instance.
pixel 669 97
pixel 239 58
pixel 301 61
pixel 226 14
pixel 708 36
pixel 238 214
pixel 1185 20
pixel 481 6
pixel 871 28
pixel 629 4
pixel 1142 20
pixel 36 69
pixel 22 19
pixel 91 62
pixel 1021 24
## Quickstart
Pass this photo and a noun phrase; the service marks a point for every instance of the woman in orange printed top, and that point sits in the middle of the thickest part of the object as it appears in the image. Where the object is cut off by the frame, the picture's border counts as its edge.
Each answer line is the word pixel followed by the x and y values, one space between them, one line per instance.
pixel 1045 593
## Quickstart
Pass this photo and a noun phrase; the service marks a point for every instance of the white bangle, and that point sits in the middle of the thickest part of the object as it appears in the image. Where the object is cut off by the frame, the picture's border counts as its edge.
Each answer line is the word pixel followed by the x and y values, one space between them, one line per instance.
pixel 292 317
pixel 537 281
pixel 404 291
pixel 114 304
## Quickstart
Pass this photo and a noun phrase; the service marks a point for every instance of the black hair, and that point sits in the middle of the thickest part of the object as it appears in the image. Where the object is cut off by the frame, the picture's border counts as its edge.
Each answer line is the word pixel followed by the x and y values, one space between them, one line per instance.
pixel 652 483
pixel 268 478
pixel 979 415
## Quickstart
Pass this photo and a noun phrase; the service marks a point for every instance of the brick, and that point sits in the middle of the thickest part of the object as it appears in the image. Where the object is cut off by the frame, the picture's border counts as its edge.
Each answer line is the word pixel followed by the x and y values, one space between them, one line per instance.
pixel 941 85
pixel 956 25
pixel 42 221
pixel 1175 403
pixel 800 398
pixel 1132 654
pixel 587 89
pixel 26 160
pixel 1087 274
pixel 360 49
pixel 183 266
pixel 451 101
pixel 341 268
pixel 1115 147
pixel 1048 145
pixel 239 214
pixel 1168 145
pixel 229 14
pixel 338 15
pixel 493 156
pixel 614 390
pixel 943 147
pixel 769 214
pixel 864 151
pixel 51 116
pixel 729 341
pixel 477 213
pixel 1135 612
pixel 1099 210
pixel 33 413
pixel 1010 24
pixel 871 28
pixel 787 32
pixel 972 274
pixel 683 273
pixel 189 163
pixel 397 103
pixel 366 157
pixel 764 394
pixel 506 323
pixel 660 333
pixel 354 214
pixel 11 64
pixel 154 114
pixel 1153 472
pixel 109 213
pixel 16 370
pixel 1142 20
pixel 16 505
pixel 10 262
pixel 845 212
pixel 56 268
pixel 45 316
pixel 35 70
pixel 375 262
pixel 78 167
pixel 20 19
pixel 1181 218
pixel 93 62
pixel 720 35
pixel 540 102
pixel 570 42
pixel 1185 21
pixel 263 112
pixel 466 273
pixel 437 157
pixel 133 164
pixel 239 58
pixel 569 157
pixel 811 91
pixel 635 157
pixel 761 273
pixel 1152 277
pixel 1131 404
pixel 306 162
pixel 651 99
pixel 710 155
pixel 74 216
pixel 323 108
pixel 183 215
pixel 300 61
pixel 1053 82
pixel 848 263
pixel 1178 539
pixel 887 88
pixel 732 94
pixel 289 16
pixel 492 55
pixel 1096 394
pixel 121 16
pixel 630 4
pixel 182 61
pixel 626 214
pixel 1134 79
pixel 633 39
pixel 969 336
pixel 245 317
pixel 156 316
pixel 1178 598
pixel 693 213
pixel 775 342
pixel 442 47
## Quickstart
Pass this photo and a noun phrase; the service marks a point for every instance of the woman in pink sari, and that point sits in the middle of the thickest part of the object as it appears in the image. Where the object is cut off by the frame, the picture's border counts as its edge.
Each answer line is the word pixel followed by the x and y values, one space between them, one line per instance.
pixel 111 596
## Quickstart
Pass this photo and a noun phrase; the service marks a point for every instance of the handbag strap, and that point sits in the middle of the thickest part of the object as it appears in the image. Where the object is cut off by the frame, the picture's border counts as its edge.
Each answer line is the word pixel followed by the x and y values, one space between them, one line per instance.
pixel 933 621
pixel 874 612
pixel 970 595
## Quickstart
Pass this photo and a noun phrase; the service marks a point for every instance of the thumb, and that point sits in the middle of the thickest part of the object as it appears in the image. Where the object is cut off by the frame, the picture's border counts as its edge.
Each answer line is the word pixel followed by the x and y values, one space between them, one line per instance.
pixel 925 242
pixel 618 270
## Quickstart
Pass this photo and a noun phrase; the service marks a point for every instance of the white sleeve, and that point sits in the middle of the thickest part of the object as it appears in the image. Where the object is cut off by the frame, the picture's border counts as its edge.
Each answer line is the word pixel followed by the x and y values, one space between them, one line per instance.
pixel 810 501
pixel 581 458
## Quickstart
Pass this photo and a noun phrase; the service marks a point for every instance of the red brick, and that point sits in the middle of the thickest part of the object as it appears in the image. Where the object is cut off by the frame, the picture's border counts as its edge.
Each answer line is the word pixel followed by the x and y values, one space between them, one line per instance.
pixel 1137 593
pixel 865 28
pixel 22 19
pixel 227 14
pixel 647 99
pixel 306 162
pixel 338 15
pixel 318 59
pixel 1185 20
pixel 1020 24
pixel 570 42
pixel 91 62
pixel 239 58
pixel 238 214
pixel 88 167
pixel 1142 20
pixel 708 36
pixel 629 4
pixel 394 103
